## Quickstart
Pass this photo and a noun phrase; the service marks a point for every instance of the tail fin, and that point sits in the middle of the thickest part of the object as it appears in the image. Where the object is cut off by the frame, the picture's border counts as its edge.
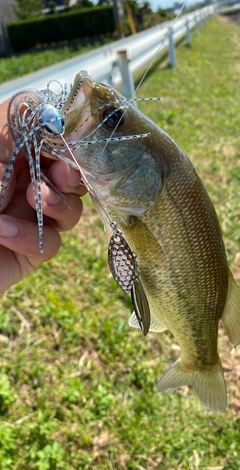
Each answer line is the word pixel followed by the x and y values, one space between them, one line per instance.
pixel 209 384
pixel 231 314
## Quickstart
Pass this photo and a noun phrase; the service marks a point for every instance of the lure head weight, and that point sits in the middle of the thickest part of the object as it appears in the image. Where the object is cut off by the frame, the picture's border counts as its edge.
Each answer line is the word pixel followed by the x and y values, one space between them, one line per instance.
pixel 51 118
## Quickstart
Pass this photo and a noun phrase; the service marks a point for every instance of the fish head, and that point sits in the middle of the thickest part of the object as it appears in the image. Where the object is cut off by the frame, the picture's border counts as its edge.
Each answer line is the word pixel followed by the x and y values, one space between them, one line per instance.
pixel 115 144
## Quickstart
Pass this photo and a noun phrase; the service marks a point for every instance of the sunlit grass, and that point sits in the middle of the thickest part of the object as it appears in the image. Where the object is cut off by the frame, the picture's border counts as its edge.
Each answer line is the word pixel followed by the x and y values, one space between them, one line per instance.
pixel 77 385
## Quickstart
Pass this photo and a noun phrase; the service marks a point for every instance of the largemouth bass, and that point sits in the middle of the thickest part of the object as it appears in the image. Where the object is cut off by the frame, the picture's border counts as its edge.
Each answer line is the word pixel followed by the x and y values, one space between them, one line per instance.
pixel 147 185
pixel 152 191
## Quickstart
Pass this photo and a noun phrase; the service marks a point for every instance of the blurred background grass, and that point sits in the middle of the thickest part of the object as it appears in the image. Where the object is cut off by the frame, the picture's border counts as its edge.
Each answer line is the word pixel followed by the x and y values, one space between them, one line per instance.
pixel 77 385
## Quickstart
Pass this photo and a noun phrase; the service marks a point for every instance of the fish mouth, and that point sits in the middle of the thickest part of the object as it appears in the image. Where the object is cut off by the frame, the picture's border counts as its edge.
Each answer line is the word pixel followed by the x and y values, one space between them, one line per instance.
pixel 78 92
pixel 78 102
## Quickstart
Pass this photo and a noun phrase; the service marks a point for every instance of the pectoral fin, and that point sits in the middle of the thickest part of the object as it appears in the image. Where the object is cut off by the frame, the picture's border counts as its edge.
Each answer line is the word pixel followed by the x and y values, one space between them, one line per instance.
pixel 155 324
pixel 208 384
pixel 231 313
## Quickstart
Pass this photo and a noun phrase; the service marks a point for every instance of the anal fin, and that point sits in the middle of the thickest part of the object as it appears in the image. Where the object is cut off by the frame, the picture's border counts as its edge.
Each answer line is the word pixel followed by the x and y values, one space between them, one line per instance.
pixel 231 313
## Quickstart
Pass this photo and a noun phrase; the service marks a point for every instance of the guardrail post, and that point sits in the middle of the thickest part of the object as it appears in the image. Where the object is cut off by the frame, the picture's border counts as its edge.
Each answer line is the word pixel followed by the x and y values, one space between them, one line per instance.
pixel 196 29
pixel 128 88
pixel 200 21
pixel 188 34
pixel 171 50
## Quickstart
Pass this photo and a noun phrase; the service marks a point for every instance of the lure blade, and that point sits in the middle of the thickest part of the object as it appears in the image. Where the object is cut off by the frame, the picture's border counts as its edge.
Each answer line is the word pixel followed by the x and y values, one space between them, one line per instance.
pixel 141 306
pixel 121 261
pixel 123 266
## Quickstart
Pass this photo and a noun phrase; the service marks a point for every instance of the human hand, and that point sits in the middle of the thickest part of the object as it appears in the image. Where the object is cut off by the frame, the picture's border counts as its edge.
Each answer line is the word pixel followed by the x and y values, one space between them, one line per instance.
pixel 19 244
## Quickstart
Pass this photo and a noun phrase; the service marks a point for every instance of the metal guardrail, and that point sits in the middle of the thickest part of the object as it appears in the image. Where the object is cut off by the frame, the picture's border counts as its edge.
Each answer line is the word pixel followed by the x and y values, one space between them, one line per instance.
pixel 103 63
pixel 230 10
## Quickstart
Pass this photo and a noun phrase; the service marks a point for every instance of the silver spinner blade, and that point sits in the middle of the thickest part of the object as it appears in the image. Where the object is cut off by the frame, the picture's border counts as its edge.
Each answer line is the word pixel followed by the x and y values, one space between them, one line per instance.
pixel 123 266
pixel 121 261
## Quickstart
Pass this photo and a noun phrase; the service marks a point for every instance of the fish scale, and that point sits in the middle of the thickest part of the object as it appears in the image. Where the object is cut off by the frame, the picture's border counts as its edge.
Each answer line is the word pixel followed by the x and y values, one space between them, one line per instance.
pixel 202 279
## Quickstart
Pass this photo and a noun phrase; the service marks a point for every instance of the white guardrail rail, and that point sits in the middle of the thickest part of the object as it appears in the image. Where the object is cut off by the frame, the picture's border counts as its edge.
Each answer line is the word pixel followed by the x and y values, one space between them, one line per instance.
pixel 104 64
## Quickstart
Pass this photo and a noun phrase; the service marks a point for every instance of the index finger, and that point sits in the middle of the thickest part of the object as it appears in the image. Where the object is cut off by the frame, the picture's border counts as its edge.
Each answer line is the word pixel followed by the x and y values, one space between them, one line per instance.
pixel 66 179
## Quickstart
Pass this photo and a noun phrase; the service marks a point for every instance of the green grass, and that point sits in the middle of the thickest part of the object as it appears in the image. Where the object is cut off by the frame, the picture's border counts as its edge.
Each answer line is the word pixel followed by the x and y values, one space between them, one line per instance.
pixel 77 385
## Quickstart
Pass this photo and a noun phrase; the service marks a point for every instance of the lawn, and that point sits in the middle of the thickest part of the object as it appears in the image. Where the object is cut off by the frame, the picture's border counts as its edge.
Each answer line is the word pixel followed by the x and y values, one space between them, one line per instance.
pixel 77 385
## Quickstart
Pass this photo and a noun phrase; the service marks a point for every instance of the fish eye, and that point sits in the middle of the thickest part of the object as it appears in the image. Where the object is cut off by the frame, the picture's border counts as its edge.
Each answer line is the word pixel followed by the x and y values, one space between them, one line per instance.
pixel 112 118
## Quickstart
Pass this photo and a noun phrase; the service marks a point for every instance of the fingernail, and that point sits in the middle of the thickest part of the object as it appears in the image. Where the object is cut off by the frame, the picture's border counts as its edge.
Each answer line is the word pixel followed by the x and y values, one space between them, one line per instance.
pixel 8 229
pixel 74 178
pixel 53 198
